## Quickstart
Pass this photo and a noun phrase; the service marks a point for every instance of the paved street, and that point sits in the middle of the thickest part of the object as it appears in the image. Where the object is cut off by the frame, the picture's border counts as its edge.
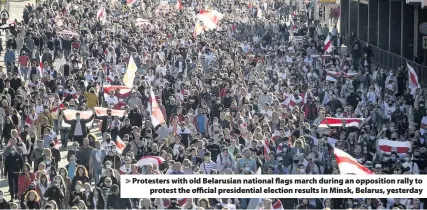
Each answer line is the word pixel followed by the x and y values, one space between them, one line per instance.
pixel 15 11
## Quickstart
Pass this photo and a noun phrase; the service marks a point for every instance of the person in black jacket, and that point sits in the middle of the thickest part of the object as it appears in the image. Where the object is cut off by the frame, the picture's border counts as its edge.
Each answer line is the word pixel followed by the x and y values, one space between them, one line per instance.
pixel 13 166
pixel 96 199
pixel 78 133
pixel 106 122
pixel 76 194
pixel 115 202
pixel 55 193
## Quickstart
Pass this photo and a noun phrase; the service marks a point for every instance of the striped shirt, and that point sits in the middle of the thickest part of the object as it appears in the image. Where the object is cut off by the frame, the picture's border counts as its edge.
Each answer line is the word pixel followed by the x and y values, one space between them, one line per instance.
pixel 206 168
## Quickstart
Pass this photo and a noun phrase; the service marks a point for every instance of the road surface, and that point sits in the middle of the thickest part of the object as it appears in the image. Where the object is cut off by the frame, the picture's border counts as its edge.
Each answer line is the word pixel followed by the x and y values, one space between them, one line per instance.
pixel 16 8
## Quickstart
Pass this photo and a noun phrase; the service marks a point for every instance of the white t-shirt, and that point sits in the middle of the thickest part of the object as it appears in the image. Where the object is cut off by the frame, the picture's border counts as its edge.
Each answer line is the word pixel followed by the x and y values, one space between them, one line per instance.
pixel 108 146
pixel 112 100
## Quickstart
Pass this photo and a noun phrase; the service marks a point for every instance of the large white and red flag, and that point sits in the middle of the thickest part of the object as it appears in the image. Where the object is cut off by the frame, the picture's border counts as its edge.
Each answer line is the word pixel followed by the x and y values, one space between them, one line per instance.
pixel 413 79
pixel 338 122
pixel 179 5
pixel 71 115
pixel 55 109
pixel 292 101
pixel 100 14
pixel 41 65
pixel 328 44
pixel 198 29
pixel 348 165
pixel 130 2
pixel 157 117
pixel 277 205
pixel 333 76
pixel 210 18
pixel 101 111
pixel 400 147
pixel 122 91
pixel 120 145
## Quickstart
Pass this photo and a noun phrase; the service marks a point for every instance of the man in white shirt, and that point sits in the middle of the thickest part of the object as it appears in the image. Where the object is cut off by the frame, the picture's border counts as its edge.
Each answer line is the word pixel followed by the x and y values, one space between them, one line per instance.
pixel 111 98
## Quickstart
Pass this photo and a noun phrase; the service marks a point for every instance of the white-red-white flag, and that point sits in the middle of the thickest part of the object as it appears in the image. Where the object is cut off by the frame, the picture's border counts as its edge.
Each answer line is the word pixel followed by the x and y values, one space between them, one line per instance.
pixel 198 29
pixel 292 101
pixel 122 91
pixel 338 122
pixel 333 76
pixel 328 44
pixel 41 65
pixel 130 2
pixel 120 145
pixel 179 5
pixel 156 113
pixel 277 205
pixel 400 147
pixel 101 111
pixel 100 14
pixel 348 165
pixel 71 115
pixel 210 18
pixel 182 201
pixel 413 79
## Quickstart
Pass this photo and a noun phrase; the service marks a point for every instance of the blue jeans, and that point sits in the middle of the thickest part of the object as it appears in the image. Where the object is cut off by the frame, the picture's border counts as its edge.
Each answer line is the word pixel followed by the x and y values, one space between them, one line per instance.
pixel 24 71
pixel 64 137
pixel 96 174
pixel 56 126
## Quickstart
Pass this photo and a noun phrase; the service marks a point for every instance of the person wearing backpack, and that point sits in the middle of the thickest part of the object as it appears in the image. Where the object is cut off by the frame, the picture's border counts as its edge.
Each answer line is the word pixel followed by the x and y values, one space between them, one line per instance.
pixel 225 160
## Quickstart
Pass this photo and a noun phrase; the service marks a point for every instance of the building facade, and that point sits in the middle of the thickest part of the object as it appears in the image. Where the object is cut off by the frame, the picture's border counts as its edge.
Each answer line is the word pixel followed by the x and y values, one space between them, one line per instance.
pixel 392 27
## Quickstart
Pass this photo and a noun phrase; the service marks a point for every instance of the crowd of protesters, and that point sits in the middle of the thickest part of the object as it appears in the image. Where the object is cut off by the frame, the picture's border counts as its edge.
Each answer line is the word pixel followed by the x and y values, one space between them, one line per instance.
pixel 248 97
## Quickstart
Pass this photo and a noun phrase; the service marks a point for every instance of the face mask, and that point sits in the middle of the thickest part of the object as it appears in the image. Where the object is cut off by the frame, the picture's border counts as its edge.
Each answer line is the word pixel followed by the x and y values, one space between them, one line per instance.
pixel 285 149
pixel 78 188
pixel 62 174
pixel 77 117
pixel 302 170
pixel 207 158
pixel 393 158
pixel 108 166
pixel 47 162
pixel 12 152
pixel 248 169
pixel 407 159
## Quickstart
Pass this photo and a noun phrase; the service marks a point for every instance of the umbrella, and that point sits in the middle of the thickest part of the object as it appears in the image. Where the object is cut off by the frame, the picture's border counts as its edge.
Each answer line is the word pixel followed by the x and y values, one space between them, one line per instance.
pixel 154 160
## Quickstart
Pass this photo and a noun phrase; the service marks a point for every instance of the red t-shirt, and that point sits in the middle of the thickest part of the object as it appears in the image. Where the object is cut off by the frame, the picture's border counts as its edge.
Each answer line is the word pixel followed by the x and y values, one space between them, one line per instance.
pixel 23 60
